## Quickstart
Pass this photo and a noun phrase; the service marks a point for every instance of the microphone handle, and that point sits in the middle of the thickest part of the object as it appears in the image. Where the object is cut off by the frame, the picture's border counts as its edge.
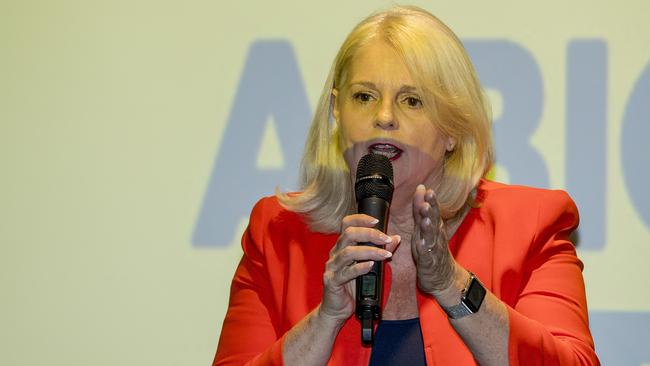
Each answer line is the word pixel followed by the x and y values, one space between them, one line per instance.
pixel 370 285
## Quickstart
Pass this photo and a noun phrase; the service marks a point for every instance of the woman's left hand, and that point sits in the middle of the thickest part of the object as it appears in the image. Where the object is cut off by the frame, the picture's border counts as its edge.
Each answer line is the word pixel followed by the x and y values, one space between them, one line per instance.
pixel 435 265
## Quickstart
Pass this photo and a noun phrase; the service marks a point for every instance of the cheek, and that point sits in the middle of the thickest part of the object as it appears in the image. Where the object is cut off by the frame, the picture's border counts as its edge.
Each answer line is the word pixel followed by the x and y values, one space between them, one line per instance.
pixel 350 161
pixel 355 123
pixel 352 133
pixel 432 143
pixel 348 138
pixel 352 153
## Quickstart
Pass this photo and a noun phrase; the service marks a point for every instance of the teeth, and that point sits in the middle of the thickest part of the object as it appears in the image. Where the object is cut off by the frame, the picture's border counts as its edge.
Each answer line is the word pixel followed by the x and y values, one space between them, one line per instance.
pixel 388 151
pixel 383 147
pixel 388 154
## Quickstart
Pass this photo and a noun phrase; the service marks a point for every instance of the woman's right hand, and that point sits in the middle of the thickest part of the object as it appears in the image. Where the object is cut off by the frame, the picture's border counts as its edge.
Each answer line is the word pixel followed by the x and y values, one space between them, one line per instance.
pixel 347 261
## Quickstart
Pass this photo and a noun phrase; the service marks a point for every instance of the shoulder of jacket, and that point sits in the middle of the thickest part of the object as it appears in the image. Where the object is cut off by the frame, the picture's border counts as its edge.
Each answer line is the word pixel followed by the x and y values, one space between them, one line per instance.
pixel 534 213
pixel 269 210
pixel 496 193
pixel 268 205
pixel 518 202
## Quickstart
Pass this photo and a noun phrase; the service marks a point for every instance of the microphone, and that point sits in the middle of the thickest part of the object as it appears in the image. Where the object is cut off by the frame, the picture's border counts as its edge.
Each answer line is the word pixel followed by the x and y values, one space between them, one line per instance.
pixel 374 190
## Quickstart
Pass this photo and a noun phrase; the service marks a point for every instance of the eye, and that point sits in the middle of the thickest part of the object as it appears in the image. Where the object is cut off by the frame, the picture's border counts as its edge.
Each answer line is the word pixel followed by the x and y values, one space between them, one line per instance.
pixel 412 101
pixel 362 97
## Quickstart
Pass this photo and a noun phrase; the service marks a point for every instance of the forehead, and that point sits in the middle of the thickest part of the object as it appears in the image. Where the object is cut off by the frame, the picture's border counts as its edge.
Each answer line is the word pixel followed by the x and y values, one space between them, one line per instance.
pixel 379 63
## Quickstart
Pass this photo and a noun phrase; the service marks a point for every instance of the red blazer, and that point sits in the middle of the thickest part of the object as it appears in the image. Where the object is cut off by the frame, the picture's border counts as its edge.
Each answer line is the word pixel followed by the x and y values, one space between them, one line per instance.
pixel 516 242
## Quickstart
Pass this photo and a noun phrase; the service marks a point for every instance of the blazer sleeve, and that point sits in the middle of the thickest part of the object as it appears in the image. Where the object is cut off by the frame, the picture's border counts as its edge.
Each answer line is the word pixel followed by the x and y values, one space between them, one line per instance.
pixel 549 323
pixel 248 335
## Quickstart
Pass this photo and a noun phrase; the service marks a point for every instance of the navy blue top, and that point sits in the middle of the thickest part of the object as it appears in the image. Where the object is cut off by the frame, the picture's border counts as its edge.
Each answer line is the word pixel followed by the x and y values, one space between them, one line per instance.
pixel 398 342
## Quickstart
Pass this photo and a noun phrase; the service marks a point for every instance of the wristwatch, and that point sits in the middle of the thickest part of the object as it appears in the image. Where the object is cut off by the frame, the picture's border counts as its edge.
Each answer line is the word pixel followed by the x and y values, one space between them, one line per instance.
pixel 470 300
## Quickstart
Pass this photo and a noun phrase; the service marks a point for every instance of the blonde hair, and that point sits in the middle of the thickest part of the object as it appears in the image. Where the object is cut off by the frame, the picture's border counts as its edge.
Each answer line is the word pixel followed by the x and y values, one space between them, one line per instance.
pixel 450 91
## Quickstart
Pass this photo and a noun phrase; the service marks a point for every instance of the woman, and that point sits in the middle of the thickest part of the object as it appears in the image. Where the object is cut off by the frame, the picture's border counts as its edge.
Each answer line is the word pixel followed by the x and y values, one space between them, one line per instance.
pixel 402 86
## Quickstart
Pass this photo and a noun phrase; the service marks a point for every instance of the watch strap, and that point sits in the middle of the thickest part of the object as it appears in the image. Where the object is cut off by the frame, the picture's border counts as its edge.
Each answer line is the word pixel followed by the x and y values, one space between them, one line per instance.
pixel 462 310
pixel 458 311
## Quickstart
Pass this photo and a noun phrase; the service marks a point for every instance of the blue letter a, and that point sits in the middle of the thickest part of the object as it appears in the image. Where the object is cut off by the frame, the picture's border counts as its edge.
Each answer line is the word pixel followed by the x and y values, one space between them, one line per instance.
pixel 270 86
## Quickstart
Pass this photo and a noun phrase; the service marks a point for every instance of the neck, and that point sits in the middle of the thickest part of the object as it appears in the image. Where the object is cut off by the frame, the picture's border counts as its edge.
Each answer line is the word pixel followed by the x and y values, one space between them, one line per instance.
pixel 401 217
pixel 401 211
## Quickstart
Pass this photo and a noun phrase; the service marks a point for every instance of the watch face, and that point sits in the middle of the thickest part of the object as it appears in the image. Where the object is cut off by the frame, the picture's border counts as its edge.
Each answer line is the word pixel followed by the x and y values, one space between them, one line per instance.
pixel 474 296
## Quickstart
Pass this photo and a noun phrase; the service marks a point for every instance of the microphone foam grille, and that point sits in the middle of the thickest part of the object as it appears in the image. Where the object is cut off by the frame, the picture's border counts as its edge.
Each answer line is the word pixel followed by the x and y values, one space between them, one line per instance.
pixel 374 177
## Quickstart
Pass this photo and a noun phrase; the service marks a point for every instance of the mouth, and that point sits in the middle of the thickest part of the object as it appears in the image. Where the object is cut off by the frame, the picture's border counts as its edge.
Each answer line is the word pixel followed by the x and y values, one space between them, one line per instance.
pixel 390 151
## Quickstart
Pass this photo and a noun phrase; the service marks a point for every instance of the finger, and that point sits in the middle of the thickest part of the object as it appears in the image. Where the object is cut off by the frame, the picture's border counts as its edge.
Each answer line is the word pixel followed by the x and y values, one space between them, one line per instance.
pixel 425 210
pixel 361 220
pixel 432 210
pixel 432 230
pixel 415 240
pixel 437 218
pixel 430 195
pixel 426 226
pixel 351 272
pixel 423 226
pixel 418 201
pixel 426 240
pixel 360 253
pixel 354 235
pixel 397 240
pixel 429 226
pixel 432 199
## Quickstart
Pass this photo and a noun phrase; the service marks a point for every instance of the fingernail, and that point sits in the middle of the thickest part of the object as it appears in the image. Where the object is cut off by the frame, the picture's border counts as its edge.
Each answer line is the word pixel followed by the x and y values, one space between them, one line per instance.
pixel 386 238
pixel 387 254
pixel 398 238
pixel 420 186
pixel 374 221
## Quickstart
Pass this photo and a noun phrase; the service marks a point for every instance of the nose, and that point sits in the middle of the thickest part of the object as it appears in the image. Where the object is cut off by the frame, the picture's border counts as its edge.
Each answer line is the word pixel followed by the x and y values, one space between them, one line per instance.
pixel 385 118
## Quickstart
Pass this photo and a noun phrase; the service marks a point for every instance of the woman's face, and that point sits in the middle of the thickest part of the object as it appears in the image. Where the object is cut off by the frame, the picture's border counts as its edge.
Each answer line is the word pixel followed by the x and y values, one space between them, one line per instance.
pixel 380 110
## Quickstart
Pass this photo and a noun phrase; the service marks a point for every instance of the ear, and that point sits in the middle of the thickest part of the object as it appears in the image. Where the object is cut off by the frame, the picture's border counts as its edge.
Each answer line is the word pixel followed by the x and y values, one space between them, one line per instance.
pixel 451 144
pixel 335 104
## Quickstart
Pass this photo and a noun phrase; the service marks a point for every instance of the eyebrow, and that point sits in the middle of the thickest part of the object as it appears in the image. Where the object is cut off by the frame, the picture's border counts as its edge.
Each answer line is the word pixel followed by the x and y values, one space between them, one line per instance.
pixel 371 85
